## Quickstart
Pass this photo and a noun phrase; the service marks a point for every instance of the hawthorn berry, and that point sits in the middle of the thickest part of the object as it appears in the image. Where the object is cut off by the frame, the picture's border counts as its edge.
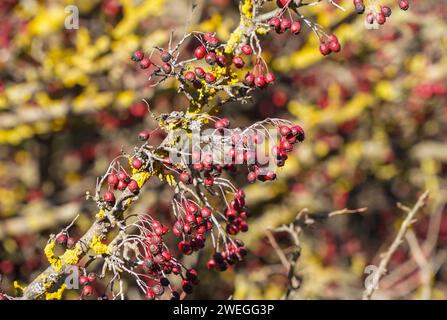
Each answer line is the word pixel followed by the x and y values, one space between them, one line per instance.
pixel 143 136
pixel 190 76
pixel 205 212
pixel 70 242
pixel 121 185
pixel 275 22
pixel 269 77
pixel 133 186
pixel 260 81
pixel 83 280
pixel 246 49
pixel 359 6
pixel 91 277
pixel 324 49
pixel 249 79
pixel 62 239
pixel 200 73
pixel 295 27
pixel 165 56
pixel 285 24
pixel 213 41
pixel 137 163
pixel 238 62
pixel 145 63
pixel 137 56
pixel 404 4
pixel 122 176
pixel 166 67
pixel 386 11
pixel 282 3
pixel 109 197
pixel 221 61
pixel 200 52
pixel 252 176
pixel 298 131
pixel 185 177
pixel 87 291
pixel 210 58
pixel 210 78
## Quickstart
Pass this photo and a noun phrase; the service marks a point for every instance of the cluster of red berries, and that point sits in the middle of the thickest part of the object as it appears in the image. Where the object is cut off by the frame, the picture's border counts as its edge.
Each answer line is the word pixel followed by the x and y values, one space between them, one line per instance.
pixel 121 181
pixel 86 281
pixel 144 62
pixel 330 44
pixel 233 253
pixel 289 137
pixel 380 16
pixel 237 214
pixel 158 263
pixel 281 25
pixel 64 240
pixel 192 226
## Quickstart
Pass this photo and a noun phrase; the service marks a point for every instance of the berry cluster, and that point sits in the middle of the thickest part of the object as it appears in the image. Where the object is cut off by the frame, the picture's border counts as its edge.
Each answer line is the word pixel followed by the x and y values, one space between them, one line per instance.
pixel 87 282
pixel 158 263
pixel 377 14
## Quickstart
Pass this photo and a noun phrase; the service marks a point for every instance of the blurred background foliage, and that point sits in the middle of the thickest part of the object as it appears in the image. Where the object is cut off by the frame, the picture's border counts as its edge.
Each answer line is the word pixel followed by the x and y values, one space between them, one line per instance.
pixel 375 117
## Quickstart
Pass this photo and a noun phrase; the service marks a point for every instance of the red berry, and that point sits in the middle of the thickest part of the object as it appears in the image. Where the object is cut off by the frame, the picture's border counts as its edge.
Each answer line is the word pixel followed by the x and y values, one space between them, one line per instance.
pixel 62 239
pixel 213 41
pixel 211 264
pixel 246 49
pixel 208 181
pixel 210 78
pixel 285 131
pixel 109 197
pixel 200 52
pixel 137 56
pixel 359 6
pixel 285 24
pixel 144 135
pixel 252 176
pixel 238 62
pixel 298 131
pixel 404 4
pixel 295 28
pixel 211 58
pixel 122 185
pixel 249 79
pixel 185 177
pixel 165 56
pixel 87 290
pixel 112 179
pixel 91 277
pixel 70 242
pixel 282 3
pixel 167 68
pixel 83 280
pixel 205 212
pixel 122 176
pixel 145 63
pixel 386 11
pixel 221 61
pixel 199 72
pixel 137 163
pixel 133 186
pixel 275 22
pixel 269 77
pixel 185 247
pixel 381 18
pixel 260 81
pixel 324 49
pixel 190 76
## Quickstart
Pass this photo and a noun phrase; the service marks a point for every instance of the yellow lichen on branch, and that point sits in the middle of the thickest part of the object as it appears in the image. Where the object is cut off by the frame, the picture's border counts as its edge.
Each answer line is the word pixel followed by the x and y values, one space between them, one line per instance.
pixel 57 295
